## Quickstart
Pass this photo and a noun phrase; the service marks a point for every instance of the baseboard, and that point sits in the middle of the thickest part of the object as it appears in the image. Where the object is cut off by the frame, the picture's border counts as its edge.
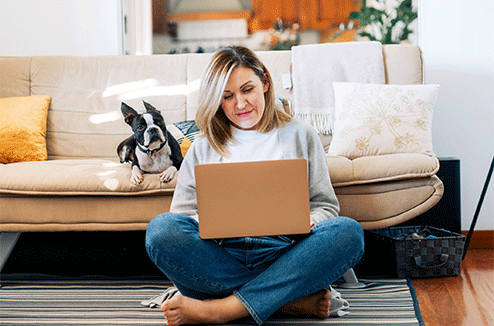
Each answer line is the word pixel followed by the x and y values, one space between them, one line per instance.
pixel 481 239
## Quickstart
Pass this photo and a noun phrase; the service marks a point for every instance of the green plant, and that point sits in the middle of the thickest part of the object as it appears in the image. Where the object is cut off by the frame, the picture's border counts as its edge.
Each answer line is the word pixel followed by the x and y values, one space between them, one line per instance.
pixel 387 25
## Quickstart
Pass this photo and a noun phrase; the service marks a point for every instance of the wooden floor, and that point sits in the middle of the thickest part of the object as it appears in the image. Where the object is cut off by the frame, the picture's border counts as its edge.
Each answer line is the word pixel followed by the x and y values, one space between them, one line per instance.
pixel 466 299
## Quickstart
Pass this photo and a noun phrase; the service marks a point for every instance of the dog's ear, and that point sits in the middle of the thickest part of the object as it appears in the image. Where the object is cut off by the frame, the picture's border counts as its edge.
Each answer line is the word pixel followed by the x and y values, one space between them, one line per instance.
pixel 128 113
pixel 149 107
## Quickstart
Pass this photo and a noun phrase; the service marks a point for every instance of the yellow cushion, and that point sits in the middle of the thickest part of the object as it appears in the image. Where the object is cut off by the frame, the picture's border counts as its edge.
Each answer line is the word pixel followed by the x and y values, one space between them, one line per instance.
pixel 23 128
pixel 185 133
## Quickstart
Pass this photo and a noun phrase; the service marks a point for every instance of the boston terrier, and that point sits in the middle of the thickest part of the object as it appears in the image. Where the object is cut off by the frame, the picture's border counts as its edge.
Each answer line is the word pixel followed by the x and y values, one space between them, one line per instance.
pixel 151 148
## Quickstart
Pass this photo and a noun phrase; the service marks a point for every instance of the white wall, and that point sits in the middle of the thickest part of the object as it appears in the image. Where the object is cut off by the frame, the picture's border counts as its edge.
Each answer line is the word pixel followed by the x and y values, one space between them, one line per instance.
pixel 457 40
pixel 60 27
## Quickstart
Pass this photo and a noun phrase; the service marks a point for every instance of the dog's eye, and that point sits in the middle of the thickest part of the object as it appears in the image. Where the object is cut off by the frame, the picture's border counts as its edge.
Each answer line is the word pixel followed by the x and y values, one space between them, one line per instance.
pixel 140 128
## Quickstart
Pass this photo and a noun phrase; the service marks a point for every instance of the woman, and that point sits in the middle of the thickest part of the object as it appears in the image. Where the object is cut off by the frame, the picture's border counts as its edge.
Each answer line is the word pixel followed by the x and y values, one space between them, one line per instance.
pixel 250 276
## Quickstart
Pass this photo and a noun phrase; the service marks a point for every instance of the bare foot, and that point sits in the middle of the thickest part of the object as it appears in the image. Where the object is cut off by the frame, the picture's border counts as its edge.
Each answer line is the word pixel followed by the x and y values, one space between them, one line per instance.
pixel 181 310
pixel 316 305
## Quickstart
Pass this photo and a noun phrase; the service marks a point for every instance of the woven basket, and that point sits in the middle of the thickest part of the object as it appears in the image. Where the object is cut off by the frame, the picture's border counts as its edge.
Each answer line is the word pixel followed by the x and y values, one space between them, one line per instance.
pixel 438 255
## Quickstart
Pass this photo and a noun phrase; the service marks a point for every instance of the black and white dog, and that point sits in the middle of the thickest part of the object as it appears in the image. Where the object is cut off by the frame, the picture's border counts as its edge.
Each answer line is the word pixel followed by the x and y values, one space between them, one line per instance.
pixel 151 148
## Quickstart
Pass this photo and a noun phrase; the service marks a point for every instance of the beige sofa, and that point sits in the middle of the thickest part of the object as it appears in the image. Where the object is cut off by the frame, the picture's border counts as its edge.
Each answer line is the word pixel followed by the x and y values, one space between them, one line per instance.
pixel 82 186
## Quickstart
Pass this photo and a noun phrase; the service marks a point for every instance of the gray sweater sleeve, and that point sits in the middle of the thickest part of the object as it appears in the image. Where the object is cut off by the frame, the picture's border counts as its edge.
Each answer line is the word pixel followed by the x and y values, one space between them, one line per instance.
pixel 323 201
pixel 184 198
pixel 300 140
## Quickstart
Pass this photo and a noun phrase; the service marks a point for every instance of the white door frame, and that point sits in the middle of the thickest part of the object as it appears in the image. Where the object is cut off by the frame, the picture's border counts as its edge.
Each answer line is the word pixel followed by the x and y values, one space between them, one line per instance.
pixel 137 21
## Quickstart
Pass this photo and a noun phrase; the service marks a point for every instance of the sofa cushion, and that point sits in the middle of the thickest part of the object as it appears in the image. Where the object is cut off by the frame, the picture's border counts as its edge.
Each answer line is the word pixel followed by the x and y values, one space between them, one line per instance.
pixel 77 177
pixel 20 213
pixel 379 205
pixel 395 57
pixel 372 169
pixel 84 120
pixel 15 77
pixel 185 133
pixel 375 119
pixel 106 177
pixel 23 128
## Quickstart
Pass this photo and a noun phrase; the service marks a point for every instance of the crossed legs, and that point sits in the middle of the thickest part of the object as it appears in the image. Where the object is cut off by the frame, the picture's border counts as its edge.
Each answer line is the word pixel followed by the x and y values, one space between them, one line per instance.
pixel 216 287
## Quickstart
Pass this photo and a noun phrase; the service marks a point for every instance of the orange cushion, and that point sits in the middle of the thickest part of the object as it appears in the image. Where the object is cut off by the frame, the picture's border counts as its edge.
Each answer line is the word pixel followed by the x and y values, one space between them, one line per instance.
pixel 23 128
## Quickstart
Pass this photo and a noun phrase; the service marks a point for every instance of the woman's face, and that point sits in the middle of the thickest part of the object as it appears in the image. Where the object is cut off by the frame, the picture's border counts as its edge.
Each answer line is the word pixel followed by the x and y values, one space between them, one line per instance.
pixel 243 100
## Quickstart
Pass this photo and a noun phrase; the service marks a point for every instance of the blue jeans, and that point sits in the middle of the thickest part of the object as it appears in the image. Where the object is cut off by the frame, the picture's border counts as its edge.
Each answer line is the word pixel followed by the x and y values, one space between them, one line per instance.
pixel 264 273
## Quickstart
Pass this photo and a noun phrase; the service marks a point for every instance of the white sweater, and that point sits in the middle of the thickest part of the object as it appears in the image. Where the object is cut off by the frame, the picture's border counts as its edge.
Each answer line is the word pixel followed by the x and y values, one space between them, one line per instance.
pixel 297 140
pixel 251 145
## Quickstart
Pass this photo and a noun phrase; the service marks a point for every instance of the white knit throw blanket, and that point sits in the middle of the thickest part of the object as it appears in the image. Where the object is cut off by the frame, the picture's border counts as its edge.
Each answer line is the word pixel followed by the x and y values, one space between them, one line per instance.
pixel 316 66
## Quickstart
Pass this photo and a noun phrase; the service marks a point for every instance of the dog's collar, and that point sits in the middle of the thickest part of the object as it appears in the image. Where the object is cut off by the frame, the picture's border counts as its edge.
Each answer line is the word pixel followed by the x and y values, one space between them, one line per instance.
pixel 150 151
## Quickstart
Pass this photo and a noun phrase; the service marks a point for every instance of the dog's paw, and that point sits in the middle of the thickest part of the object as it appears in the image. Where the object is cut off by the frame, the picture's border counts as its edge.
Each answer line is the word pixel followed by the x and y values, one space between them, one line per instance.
pixel 168 174
pixel 136 177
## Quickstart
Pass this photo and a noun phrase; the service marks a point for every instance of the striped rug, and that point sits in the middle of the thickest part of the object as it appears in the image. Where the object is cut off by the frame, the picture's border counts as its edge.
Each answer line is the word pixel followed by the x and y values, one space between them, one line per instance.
pixel 39 301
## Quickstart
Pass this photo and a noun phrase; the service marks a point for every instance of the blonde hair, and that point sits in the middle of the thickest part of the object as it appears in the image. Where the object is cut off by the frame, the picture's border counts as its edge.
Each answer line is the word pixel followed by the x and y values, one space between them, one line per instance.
pixel 210 117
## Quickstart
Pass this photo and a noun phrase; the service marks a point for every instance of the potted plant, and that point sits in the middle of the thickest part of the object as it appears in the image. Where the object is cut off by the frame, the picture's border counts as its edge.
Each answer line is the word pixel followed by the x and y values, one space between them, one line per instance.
pixel 385 23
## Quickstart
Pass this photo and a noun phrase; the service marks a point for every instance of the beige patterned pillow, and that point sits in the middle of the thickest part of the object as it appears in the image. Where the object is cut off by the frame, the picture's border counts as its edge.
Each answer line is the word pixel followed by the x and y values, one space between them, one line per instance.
pixel 375 119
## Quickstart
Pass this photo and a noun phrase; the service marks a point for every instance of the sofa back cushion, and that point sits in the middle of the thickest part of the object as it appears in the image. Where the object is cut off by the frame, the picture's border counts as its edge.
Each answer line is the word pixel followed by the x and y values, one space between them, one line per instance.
pixel 84 119
pixel 403 64
pixel 14 77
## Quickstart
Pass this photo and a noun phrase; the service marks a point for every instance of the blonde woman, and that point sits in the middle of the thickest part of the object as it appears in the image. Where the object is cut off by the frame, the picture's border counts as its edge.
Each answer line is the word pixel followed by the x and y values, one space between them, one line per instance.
pixel 225 279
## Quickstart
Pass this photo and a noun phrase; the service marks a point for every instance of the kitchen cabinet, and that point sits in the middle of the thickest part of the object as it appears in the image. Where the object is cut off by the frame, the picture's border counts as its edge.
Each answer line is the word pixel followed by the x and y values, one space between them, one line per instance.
pixel 309 14
pixel 266 13
pixel 324 14
pixel 159 16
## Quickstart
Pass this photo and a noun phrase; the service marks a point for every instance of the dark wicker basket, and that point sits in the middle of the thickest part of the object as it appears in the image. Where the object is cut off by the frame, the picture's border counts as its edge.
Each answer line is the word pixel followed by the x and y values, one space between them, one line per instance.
pixel 437 254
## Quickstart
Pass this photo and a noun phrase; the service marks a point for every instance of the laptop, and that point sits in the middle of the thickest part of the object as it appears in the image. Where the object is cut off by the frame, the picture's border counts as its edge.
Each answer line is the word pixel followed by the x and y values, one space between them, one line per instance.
pixel 250 199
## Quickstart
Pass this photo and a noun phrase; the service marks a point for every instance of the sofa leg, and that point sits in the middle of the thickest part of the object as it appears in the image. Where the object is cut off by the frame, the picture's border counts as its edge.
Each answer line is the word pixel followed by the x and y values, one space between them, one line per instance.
pixel 351 281
pixel 7 243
